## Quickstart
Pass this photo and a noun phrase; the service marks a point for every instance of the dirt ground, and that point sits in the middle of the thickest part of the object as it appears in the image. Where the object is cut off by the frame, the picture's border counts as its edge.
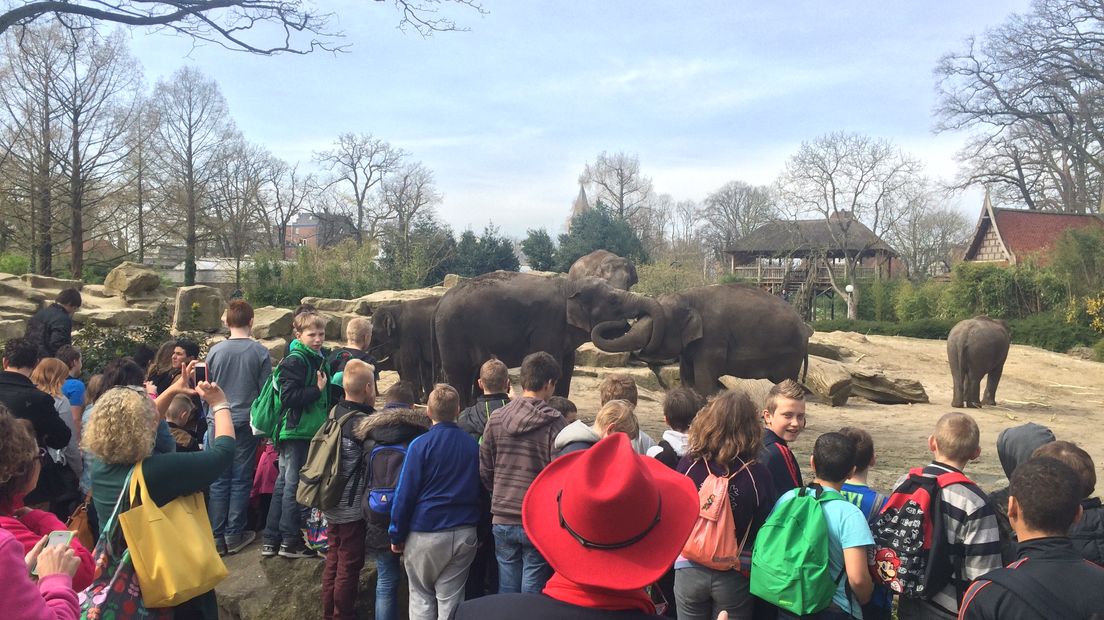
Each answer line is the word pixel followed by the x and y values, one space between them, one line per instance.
pixel 1052 389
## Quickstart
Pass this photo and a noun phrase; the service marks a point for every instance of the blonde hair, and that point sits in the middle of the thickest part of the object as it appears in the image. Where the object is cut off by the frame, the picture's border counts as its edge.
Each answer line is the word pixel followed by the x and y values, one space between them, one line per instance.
pixel 494 375
pixel 123 427
pixel 443 403
pixel 957 436
pixel 726 430
pixel 180 409
pixel 49 375
pixel 357 376
pixel 359 330
pixel 617 386
pixel 620 414
pixel 788 388
pixel 308 320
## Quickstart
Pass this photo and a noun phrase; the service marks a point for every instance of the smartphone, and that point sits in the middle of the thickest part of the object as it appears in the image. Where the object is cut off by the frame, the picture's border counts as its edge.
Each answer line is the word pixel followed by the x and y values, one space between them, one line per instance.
pixel 200 372
pixel 56 538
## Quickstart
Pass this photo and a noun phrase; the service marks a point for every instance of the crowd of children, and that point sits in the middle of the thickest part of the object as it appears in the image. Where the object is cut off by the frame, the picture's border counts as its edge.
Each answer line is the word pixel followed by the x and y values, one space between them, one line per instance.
pixel 518 506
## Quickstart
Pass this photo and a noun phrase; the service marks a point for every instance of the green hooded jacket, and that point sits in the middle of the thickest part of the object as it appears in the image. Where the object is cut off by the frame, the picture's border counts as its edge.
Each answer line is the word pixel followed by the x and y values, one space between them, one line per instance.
pixel 305 406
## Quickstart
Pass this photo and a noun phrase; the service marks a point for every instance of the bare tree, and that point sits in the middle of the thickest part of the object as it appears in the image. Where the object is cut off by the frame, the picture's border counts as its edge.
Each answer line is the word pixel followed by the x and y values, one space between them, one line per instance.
pixel 290 192
pixel 733 211
pixel 256 26
pixel 194 119
pixel 357 164
pixel 406 192
pixel 847 178
pixel 616 181
pixel 236 205
pixel 927 232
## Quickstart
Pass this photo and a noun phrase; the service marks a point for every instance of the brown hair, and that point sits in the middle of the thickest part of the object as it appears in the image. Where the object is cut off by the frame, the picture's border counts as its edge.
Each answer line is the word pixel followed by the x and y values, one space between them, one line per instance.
pixel 443 403
pixel 619 413
pixel 1079 461
pixel 957 436
pixel 727 429
pixel 308 320
pixel 680 405
pixel 495 376
pixel 788 388
pixel 162 360
pixel 239 313
pixel 68 354
pixel 49 375
pixel 615 386
pixel 864 446
pixel 359 330
pixel 18 453
pixel 94 389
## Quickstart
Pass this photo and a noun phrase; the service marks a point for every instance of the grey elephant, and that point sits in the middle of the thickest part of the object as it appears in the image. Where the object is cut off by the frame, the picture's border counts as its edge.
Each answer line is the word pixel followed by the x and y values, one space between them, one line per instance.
pixel 725 329
pixel 402 341
pixel 509 315
pixel 975 348
pixel 619 272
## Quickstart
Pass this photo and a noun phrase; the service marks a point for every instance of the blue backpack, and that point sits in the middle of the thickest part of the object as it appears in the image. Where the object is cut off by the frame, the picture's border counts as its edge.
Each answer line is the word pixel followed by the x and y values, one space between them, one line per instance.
pixel 385 463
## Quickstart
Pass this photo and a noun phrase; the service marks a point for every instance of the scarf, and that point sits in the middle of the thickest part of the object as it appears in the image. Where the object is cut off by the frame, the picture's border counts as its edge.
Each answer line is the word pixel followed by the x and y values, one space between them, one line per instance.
pixel 572 593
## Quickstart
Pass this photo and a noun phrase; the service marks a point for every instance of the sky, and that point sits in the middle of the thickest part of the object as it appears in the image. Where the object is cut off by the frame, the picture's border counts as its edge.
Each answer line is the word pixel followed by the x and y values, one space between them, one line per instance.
pixel 508 113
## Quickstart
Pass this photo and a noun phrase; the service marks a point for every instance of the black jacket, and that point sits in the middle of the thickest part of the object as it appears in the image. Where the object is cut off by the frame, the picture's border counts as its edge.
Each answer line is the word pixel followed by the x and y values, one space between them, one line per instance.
pixel 26 401
pixel 536 607
pixel 299 384
pixel 50 328
pixel 474 419
pixel 781 462
pixel 1088 533
pixel 1054 564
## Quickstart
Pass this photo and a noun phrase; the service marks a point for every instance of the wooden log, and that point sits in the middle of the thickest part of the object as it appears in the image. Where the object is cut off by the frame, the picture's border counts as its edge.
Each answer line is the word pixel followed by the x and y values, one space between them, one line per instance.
pixel 828 379
pixel 875 385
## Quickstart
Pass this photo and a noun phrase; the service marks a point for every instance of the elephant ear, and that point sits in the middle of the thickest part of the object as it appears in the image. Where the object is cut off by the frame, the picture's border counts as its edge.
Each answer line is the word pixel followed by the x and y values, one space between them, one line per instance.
pixel 691 327
pixel 577 315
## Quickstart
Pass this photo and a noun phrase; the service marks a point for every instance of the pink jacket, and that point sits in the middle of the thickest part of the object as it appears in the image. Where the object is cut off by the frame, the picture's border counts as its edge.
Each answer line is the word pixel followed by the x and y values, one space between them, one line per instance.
pixel 52 598
pixel 30 529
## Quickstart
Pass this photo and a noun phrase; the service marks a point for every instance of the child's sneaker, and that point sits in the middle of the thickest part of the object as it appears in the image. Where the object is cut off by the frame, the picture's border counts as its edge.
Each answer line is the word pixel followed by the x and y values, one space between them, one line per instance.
pixel 268 550
pixel 296 551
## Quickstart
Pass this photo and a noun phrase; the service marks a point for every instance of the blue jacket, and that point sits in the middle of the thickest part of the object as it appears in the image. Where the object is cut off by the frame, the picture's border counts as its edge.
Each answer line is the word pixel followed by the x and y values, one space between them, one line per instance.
pixel 439 484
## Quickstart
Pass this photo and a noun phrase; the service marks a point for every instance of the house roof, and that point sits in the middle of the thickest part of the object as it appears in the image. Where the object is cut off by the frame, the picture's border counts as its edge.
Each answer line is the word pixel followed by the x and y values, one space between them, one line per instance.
pixel 800 237
pixel 1023 232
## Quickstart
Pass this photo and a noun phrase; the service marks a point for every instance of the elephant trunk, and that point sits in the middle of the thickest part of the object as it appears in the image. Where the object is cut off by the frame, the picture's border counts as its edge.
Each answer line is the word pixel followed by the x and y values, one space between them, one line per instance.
pixel 638 336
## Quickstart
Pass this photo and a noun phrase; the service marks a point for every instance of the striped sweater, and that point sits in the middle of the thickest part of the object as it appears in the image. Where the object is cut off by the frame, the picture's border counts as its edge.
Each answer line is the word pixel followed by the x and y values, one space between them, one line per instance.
pixel 970 527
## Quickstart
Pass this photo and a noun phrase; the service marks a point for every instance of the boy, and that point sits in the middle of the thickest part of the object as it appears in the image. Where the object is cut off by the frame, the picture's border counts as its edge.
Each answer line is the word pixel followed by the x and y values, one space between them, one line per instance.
pixel 494 380
pixel 305 397
pixel 620 386
pixel 347 527
pixel 969 525
pixel 616 416
pixel 680 405
pixel 436 509
pixel 240 365
pixel 784 415
pixel 1087 534
pixel 358 337
pixel 870 502
pixel 52 327
pixel 1050 580
pixel 181 417
pixel 566 408
pixel 73 388
pixel 848 534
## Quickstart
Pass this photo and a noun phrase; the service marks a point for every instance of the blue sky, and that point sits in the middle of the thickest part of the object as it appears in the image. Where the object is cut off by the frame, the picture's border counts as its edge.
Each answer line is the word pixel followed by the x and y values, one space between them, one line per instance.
pixel 507 114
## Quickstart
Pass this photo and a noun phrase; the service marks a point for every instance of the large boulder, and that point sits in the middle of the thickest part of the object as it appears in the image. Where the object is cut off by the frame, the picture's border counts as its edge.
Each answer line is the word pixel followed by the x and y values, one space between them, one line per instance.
pixel 828 379
pixel 18 306
pixel 34 280
pixel 334 329
pixel 111 317
pixel 590 355
pixel 17 288
pixel 669 376
pixel 452 280
pixel 132 279
pixel 276 347
pixel 13 328
pixel 198 307
pixel 352 306
pixel 382 298
pixel 272 322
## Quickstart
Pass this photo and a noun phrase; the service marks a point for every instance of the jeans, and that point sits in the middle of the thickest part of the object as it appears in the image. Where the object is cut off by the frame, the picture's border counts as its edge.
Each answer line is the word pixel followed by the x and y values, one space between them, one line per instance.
pixel 521 568
pixel 228 504
pixel 437 567
pixel 702 593
pixel 387 585
pixel 285 516
pixel 341 574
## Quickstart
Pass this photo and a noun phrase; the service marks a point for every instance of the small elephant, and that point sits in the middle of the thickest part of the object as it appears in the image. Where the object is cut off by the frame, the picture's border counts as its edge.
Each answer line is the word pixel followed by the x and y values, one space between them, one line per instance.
pixel 977 347
pixel 619 272
pixel 402 341
pixel 725 329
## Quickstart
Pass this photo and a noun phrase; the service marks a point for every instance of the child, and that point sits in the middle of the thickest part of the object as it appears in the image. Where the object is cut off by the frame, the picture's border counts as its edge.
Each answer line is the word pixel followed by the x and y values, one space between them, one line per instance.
pixel 1087 534
pixel 968 521
pixel 620 386
pixel 73 388
pixel 494 380
pixel 870 502
pixel 616 416
pixel 680 405
pixel 305 397
pixel 848 534
pixel 181 417
pixel 784 415
pixel 566 408
pixel 358 337
pixel 345 537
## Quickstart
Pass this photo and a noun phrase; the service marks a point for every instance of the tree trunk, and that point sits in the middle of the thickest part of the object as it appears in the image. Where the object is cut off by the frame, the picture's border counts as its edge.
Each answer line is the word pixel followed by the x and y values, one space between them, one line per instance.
pixel 140 198
pixel 828 379
pixel 76 206
pixel 190 227
pixel 46 245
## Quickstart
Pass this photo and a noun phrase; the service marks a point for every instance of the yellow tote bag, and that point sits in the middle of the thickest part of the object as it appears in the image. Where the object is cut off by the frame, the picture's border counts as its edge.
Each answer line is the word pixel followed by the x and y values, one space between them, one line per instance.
pixel 172 546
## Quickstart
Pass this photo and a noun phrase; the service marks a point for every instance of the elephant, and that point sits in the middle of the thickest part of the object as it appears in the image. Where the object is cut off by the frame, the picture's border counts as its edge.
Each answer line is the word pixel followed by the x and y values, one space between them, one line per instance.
pixel 724 329
pixel 977 347
pixel 619 272
pixel 509 315
pixel 401 339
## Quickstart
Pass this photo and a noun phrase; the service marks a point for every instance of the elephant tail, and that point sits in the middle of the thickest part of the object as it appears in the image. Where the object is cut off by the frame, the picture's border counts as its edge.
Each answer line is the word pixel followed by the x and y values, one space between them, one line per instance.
pixel 805 366
pixel 434 352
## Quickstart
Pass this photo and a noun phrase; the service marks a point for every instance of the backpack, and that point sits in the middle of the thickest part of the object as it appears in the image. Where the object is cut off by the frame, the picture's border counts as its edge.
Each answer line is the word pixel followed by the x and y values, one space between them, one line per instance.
pixel 789 564
pixel 385 463
pixel 266 414
pixel 712 542
pixel 322 479
pixel 911 555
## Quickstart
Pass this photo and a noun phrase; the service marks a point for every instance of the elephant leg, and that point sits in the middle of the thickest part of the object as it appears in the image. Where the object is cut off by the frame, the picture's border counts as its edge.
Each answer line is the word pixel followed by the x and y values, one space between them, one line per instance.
pixel 957 380
pixel 567 368
pixel 991 383
pixel 686 372
pixel 973 391
pixel 705 377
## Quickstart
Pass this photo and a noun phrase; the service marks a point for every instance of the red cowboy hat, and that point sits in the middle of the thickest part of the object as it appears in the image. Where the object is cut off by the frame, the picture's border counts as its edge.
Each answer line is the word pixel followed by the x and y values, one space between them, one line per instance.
pixel 608 517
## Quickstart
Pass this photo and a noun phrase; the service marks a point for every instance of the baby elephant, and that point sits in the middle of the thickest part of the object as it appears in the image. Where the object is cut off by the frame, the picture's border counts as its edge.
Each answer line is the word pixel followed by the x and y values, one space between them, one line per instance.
pixel 977 347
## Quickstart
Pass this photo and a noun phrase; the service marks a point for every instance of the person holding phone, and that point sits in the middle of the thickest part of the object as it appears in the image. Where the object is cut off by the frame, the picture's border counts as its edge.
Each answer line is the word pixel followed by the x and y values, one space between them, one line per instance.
pixel 19 469
pixel 52 596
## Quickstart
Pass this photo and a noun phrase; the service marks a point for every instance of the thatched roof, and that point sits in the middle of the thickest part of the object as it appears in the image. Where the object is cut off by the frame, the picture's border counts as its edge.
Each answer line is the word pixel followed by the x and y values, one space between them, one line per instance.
pixel 797 238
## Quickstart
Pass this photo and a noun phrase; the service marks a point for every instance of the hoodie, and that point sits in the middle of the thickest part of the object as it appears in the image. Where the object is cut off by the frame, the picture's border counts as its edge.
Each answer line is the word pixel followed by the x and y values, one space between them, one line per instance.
pixel 672 451
pixel 474 419
pixel 574 437
pixel 518 442
pixel 305 406
pixel 1014 446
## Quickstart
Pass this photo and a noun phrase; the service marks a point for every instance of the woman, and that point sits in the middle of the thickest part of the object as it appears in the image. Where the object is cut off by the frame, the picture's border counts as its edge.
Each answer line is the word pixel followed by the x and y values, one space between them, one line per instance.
pixel 124 372
pixel 725 438
pixel 121 434
pixel 19 467
pixel 160 372
pixel 49 375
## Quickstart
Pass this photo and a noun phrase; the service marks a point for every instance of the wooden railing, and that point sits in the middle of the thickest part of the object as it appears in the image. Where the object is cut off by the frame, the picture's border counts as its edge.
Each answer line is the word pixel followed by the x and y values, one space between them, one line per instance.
pixel 773 274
